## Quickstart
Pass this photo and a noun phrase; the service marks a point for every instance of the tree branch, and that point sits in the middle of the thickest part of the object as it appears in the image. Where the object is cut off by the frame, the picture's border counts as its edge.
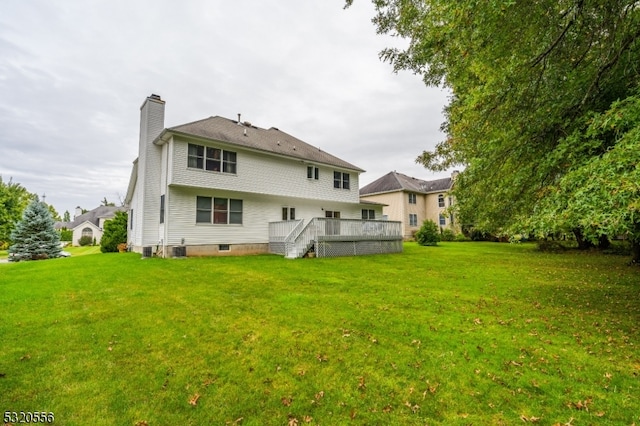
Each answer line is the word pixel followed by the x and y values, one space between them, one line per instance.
pixel 557 41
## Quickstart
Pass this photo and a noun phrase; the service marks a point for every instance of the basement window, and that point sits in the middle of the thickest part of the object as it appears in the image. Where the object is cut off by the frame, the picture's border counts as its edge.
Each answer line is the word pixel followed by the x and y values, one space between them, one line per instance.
pixel 224 247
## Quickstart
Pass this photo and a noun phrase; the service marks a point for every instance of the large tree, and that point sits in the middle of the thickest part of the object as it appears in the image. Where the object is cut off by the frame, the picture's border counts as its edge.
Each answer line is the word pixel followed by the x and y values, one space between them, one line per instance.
pixel 14 198
pixel 527 78
pixel 34 236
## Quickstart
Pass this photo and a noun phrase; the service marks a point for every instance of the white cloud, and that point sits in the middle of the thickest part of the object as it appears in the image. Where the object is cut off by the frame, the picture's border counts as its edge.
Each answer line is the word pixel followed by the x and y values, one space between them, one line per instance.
pixel 73 75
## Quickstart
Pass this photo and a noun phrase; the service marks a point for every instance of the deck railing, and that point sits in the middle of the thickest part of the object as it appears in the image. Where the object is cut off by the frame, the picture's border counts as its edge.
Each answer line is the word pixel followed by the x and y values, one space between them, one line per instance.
pixel 327 235
pixel 278 233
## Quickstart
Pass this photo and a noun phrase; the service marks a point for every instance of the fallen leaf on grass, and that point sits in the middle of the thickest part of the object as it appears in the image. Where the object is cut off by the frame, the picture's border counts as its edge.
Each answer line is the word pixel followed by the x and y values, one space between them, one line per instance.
pixel 361 384
pixel 307 419
pixel 414 407
pixel 292 421
pixel 142 423
pixel 194 399
pixel 387 409
pixel 532 419
pixel 322 358
pixel 286 401
pixel 581 405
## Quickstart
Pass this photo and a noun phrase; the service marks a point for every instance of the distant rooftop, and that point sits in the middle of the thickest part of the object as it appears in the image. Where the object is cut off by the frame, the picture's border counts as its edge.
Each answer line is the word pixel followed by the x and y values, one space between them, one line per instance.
pixel 394 181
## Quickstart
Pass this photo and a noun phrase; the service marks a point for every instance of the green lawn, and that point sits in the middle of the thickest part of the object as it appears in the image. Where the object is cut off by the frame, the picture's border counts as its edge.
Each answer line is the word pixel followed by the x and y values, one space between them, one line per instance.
pixel 462 333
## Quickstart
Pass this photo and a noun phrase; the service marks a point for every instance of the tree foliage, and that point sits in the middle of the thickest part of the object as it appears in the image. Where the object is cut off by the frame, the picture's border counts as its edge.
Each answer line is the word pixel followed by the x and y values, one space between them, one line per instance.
pixel 115 232
pixel 537 92
pixel 14 199
pixel 34 236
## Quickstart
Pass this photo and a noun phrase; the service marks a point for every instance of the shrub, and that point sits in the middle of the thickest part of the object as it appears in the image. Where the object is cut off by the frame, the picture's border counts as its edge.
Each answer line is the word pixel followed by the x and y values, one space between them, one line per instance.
pixel 115 232
pixel 448 235
pixel 428 234
pixel 85 240
pixel 461 238
pixel 66 234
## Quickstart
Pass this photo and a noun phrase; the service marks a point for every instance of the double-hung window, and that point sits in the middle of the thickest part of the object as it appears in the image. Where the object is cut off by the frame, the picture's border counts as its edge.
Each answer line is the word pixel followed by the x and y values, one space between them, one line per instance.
pixel 218 210
pixel 440 200
pixel 288 213
pixel 211 159
pixel 443 220
pixel 413 219
pixel 412 198
pixel 341 180
pixel 313 172
pixel 368 214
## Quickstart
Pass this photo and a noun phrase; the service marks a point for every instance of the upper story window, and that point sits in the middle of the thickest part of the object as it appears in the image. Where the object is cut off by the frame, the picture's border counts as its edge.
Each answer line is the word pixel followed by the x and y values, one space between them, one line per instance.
pixel 313 172
pixel 440 200
pixel 412 198
pixel 341 180
pixel 211 159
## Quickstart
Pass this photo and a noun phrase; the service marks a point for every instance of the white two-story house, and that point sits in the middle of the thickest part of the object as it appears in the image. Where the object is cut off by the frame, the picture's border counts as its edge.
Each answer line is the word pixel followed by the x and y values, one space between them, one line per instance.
pixel 213 186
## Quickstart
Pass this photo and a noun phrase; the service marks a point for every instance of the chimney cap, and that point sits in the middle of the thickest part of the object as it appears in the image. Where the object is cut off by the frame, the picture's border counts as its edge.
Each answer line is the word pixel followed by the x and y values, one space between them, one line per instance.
pixel 156 97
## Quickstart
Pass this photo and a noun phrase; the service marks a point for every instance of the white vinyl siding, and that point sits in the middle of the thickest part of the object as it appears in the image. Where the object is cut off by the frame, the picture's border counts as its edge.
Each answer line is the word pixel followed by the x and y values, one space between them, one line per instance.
pixel 257 211
pixel 263 174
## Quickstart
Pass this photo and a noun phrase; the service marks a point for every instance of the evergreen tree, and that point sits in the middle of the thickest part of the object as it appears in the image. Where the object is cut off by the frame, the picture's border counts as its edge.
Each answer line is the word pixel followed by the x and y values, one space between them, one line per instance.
pixel 115 232
pixel 67 216
pixel 34 236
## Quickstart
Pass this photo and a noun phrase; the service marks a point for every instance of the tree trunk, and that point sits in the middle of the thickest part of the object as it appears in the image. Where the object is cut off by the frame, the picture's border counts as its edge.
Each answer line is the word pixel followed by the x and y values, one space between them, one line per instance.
pixel 603 242
pixel 582 243
pixel 635 252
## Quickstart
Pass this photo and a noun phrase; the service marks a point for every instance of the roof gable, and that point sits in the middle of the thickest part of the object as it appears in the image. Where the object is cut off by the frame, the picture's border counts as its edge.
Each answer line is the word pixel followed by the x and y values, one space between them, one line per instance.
pixel 394 181
pixel 94 216
pixel 245 135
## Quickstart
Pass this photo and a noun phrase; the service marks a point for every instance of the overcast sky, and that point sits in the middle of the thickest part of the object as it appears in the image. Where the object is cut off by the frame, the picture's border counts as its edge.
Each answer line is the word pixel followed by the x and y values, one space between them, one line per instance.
pixel 74 73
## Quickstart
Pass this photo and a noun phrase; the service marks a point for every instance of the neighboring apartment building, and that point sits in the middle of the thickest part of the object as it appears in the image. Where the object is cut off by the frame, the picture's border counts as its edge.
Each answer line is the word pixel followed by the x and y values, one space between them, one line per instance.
pixel 214 185
pixel 412 201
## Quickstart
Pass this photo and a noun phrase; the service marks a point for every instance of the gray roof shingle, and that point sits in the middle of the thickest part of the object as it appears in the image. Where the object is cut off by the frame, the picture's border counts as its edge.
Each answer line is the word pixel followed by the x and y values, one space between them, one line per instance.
pixel 245 135
pixel 394 181
pixel 94 216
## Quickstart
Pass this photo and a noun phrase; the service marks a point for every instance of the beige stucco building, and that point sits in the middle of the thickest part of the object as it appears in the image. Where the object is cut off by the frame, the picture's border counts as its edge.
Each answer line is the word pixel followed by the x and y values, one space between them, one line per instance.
pixel 412 201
